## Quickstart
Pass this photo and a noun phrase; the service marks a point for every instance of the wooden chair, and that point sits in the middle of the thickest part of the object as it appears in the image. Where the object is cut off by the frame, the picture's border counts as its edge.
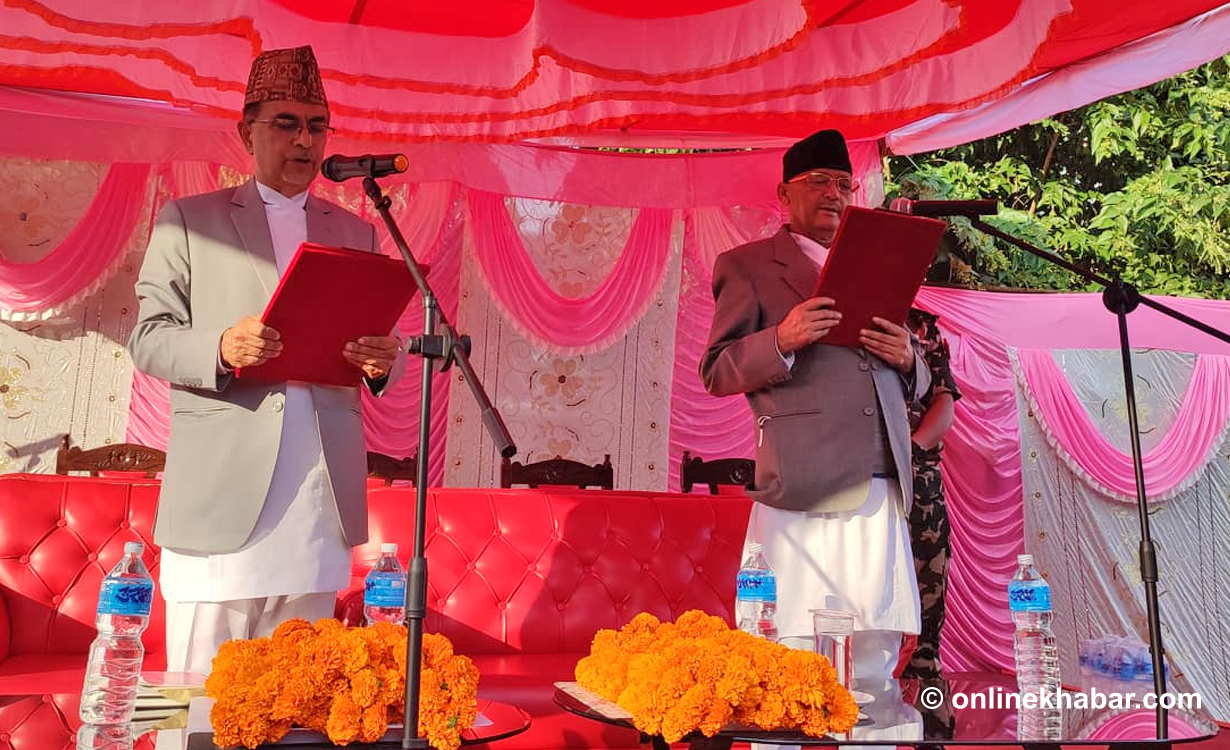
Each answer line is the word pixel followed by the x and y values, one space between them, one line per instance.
pixel 387 468
pixel 558 471
pixel 128 458
pixel 720 471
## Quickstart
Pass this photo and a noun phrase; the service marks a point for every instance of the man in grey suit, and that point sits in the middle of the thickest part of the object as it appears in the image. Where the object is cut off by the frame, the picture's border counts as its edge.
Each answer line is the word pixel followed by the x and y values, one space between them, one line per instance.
pixel 264 492
pixel 833 473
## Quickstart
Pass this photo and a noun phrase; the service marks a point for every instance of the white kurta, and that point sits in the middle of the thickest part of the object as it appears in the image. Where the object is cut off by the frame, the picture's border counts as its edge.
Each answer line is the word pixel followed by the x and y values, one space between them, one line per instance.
pixel 858 561
pixel 297 546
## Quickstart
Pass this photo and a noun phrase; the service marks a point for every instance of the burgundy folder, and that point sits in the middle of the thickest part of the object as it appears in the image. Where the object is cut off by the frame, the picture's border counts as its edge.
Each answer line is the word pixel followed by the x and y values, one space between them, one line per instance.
pixel 330 296
pixel 876 263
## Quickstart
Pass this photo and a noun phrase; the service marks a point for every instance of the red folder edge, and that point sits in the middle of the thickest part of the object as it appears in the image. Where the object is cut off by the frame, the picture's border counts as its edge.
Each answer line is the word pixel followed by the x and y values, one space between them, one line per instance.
pixel 327 297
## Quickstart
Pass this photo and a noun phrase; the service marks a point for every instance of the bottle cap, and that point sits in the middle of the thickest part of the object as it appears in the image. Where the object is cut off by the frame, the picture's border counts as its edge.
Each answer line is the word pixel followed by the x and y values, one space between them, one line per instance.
pixel 134 548
pixel 388 548
pixel 754 547
pixel 1025 559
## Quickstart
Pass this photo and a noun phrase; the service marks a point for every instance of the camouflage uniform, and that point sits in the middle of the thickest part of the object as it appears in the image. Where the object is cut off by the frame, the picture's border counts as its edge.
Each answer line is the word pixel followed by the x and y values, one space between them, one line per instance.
pixel 929 516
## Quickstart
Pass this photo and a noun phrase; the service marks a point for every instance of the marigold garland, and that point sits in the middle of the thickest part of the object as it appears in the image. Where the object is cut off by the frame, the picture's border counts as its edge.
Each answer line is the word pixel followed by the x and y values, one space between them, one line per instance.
pixel 346 683
pixel 697 674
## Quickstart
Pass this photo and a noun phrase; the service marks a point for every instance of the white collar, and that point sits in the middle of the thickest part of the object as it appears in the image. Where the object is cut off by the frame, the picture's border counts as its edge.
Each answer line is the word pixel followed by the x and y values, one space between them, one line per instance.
pixel 807 242
pixel 272 197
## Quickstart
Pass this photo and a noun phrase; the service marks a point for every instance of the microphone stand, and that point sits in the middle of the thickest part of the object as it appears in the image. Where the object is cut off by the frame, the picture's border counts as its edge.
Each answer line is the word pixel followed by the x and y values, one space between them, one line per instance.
pixel 447 347
pixel 1121 299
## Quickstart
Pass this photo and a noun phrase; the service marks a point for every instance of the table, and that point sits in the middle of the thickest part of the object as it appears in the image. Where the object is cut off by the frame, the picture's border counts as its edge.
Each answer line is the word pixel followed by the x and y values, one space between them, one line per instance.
pixel 965 709
pixel 49 720
pixel 505 720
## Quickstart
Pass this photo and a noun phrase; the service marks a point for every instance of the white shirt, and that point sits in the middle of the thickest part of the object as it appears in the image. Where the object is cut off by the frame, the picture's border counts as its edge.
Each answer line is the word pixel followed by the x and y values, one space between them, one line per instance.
pixel 817 254
pixel 814 251
pixel 297 546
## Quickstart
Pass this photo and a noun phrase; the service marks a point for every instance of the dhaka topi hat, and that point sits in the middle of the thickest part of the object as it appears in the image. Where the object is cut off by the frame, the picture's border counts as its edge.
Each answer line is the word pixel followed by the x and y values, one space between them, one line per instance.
pixel 825 149
pixel 285 75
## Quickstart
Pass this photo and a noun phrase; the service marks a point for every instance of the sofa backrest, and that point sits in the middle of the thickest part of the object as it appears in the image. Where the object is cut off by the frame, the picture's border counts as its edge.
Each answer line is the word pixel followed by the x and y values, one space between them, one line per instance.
pixel 59 537
pixel 509 571
pixel 540 571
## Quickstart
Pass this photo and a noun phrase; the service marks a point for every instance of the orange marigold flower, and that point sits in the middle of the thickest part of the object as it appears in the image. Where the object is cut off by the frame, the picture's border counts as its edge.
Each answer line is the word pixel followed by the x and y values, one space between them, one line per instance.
pixel 697 674
pixel 365 689
pixel 344 682
pixel 344 718
pixel 373 724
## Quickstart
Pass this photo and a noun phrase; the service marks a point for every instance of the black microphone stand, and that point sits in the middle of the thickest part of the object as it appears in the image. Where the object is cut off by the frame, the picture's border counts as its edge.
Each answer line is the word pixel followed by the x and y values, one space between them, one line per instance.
pixel 448 347
pixel 1121 299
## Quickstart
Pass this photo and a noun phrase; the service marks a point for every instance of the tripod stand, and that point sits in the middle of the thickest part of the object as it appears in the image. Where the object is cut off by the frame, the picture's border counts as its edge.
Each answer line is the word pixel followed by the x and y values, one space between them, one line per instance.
pixel 1121 298
pixel 447 347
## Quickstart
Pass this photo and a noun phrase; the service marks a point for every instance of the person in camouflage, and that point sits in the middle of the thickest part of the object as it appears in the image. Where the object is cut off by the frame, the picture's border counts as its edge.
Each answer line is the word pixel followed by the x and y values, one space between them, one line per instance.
pixel 930 418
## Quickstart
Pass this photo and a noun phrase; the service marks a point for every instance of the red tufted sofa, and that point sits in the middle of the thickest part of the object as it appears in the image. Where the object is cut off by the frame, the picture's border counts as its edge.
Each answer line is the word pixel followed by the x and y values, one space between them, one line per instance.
pixel 519 580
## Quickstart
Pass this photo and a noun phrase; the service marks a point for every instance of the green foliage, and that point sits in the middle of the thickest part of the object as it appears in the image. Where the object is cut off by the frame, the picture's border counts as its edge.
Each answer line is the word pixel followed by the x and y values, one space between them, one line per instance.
pixel 1136 186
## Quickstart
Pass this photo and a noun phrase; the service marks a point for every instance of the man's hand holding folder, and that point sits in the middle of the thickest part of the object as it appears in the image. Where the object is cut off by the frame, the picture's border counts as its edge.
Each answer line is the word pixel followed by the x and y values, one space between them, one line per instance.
pixel 327 321
pixel 806 323
pixel 251 343
pixel 373 355
pixel 811 320
pixel 248 343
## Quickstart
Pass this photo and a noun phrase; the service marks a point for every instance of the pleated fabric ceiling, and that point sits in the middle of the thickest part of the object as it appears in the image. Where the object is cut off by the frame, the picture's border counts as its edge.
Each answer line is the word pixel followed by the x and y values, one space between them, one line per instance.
pixel 690 72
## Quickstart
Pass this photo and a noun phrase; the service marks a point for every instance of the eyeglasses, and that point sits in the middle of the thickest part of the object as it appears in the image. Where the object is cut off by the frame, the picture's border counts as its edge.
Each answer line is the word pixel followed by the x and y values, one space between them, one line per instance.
pixel 820 180
pixel 291 127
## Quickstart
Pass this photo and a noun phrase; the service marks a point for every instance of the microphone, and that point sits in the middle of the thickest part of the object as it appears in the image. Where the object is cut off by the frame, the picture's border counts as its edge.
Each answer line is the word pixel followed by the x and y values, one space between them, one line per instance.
pixel 944 208
pixel 341 168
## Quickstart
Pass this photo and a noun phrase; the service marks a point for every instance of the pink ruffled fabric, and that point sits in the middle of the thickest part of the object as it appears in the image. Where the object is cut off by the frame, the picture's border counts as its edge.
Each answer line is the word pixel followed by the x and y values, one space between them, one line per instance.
pixel 1169 468
pixel 82 262
pixel 554 322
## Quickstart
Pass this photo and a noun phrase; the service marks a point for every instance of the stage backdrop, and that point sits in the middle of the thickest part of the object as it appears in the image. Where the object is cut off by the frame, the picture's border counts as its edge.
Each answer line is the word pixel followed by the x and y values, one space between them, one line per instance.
pixel 583 278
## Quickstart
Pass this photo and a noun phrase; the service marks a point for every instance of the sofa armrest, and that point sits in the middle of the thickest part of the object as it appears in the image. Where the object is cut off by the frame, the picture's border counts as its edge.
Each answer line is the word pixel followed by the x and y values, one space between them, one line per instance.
pixel 6 634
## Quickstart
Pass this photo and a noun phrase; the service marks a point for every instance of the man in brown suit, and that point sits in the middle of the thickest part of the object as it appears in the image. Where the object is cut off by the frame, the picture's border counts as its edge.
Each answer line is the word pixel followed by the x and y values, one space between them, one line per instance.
pixel 833 472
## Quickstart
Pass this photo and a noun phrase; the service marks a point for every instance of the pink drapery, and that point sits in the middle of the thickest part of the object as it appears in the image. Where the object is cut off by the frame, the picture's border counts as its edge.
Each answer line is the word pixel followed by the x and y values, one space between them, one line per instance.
pixel 542 315
pixel 982 481
pixel 149 411
pixel 82 261
pixel 391 422
pixel 725 72
pixel 708 427
pixel 982 467
pixel 1169 468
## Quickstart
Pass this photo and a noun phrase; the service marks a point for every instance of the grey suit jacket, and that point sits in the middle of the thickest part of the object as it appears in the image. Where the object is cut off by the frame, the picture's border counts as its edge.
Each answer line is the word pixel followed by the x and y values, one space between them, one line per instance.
pixel 817 436
pixel 210 262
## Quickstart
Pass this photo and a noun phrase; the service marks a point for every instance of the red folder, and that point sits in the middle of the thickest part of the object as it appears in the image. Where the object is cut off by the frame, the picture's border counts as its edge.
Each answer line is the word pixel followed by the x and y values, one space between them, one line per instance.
pixel 876 263
pixel 328 297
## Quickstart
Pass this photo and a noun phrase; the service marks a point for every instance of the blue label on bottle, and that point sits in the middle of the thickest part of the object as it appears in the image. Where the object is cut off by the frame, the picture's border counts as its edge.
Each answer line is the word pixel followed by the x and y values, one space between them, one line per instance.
pixel 125 597
pixel 1029 596
pixel 756 586
pixel 382 591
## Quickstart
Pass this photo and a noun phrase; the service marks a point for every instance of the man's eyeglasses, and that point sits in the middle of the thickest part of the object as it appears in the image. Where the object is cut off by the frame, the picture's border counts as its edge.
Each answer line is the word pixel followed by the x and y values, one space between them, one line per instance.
pixel 292 127
pixel 820 180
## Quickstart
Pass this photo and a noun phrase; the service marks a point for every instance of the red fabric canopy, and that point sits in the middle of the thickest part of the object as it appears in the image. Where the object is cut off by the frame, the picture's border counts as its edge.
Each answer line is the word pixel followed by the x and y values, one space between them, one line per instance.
pixel 692 72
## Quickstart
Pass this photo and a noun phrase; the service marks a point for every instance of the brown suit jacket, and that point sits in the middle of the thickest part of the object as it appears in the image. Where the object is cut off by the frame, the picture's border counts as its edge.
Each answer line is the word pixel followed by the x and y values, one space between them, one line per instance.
pixel 816 440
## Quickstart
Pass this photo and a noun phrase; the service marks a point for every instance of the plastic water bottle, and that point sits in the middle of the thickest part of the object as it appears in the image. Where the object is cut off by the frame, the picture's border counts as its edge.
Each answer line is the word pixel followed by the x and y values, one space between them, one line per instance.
pixel 104 737
pixel 384 592
pixel 756 595
pixel 1036 653
pixel 109 694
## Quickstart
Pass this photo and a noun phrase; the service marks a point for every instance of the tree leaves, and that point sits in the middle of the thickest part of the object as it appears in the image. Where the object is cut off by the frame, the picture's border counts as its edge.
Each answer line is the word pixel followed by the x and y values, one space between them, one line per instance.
pixel 1137 185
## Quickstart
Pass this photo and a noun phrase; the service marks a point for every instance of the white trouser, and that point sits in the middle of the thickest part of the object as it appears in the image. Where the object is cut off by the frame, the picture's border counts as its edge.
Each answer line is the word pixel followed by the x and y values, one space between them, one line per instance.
pixel 195 630
pixel 876 653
